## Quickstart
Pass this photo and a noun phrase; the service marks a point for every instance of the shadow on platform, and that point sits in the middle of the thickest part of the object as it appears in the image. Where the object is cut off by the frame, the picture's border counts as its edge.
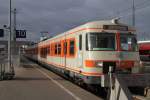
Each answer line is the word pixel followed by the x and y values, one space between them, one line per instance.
pixel 27 66
pixel 35 78
pixel 29 78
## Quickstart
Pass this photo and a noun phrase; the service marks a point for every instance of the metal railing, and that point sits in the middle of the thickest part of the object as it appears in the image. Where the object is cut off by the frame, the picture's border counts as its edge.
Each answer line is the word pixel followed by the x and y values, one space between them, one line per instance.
pixel 119 85
pixel 6 72
pixel 2 71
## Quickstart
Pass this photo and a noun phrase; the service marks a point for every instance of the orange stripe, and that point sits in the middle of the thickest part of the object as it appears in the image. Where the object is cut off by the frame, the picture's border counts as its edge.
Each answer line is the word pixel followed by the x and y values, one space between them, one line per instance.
pixel 61 66
pixel 76 70
pixel 83 29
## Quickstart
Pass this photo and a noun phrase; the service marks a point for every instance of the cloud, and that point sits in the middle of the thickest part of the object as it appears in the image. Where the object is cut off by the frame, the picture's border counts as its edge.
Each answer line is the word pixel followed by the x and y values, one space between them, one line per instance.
pixel 57 16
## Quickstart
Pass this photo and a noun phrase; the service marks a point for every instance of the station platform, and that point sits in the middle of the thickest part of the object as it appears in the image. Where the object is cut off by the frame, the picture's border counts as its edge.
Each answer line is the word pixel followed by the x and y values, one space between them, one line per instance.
pixel 33 82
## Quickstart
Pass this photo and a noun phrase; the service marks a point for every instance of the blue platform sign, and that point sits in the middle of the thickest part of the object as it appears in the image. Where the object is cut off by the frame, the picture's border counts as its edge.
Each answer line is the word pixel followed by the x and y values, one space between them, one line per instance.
pixel 20 33
pixel 1 32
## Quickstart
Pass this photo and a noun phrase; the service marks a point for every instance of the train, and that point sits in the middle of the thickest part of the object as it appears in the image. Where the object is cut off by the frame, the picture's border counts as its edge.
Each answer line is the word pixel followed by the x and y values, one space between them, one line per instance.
pixel 144 50
pixel 86 52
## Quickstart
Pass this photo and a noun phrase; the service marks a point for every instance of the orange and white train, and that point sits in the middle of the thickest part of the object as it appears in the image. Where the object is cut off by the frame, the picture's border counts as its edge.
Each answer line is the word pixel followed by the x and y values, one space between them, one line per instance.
pixel 86 52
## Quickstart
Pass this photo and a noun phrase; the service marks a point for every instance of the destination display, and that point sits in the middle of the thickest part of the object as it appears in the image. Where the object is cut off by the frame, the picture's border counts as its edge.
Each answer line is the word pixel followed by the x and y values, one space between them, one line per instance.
pixel 115 27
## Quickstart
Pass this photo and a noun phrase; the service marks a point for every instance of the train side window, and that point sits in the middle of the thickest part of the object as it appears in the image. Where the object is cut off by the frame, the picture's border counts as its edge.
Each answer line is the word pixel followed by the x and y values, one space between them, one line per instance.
pixel 59 49
pixel 48 50
pixel 65 48
pixel 80 42
pixel 52 49
pixel 45 52
pixel 55 49
pixel 36 51
pixel 72 46
pixel 41 52
pixel 87 42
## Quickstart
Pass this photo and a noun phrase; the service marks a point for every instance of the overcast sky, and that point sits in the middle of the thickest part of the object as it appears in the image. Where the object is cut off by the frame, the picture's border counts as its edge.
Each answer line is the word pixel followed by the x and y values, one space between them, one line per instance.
pixel 57 16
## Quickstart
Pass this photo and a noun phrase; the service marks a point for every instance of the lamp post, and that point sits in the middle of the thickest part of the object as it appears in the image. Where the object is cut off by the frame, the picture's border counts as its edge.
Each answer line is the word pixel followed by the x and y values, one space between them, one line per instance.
pixel 14 35
pixel 9 39
pixel 10 74
pixel 11 68
pixel 14 51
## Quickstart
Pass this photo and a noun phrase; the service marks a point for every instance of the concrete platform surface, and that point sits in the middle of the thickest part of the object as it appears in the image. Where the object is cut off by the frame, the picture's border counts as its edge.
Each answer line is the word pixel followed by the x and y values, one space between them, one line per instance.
pixel 33 82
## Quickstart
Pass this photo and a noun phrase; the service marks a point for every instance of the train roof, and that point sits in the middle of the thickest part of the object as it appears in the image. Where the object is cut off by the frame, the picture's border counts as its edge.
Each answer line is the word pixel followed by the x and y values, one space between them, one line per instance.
pixel 93 24
pixel 101 23
pixel 105 22
pixel 142 42
pixel 144 45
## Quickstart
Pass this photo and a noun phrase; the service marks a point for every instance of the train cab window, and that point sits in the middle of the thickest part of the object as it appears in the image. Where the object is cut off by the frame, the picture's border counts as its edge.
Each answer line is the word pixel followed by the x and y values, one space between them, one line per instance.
pixel 100 41
pixel 128 42
pixel 80 42
pixel 72 46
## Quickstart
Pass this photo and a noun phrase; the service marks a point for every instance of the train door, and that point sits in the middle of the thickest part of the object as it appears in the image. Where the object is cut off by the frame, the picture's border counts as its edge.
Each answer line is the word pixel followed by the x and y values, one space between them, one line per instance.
pixel 80 53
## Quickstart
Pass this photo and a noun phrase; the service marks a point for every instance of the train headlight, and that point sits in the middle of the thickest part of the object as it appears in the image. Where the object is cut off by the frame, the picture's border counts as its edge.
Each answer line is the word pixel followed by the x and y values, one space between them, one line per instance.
pixel 99 64
pixel 93 63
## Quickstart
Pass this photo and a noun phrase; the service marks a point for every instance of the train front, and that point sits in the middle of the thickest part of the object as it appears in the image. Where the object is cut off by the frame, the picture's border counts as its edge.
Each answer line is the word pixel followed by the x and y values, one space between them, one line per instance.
pixel 114 46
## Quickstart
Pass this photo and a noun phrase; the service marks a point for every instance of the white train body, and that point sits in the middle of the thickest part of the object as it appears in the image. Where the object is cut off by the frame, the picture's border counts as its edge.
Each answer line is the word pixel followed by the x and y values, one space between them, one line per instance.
pixel 86 52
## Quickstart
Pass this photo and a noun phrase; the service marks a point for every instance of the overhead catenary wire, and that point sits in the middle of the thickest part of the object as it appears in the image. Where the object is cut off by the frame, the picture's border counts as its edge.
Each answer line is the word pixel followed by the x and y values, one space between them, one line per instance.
pixel 127 11
pixel 136 11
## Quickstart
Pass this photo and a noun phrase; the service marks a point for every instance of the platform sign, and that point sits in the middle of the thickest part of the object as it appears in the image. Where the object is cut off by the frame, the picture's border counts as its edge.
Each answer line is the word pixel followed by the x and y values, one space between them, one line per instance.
pixel 20 33
pixel 1 32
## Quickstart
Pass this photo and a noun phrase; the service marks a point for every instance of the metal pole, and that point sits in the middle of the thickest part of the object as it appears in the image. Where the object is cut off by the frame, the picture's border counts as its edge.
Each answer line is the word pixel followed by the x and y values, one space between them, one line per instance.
pixel 110 76
pixel 14 33
pixel 133 13
pixel 14 36
pixel 9 40
pixel 111 81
